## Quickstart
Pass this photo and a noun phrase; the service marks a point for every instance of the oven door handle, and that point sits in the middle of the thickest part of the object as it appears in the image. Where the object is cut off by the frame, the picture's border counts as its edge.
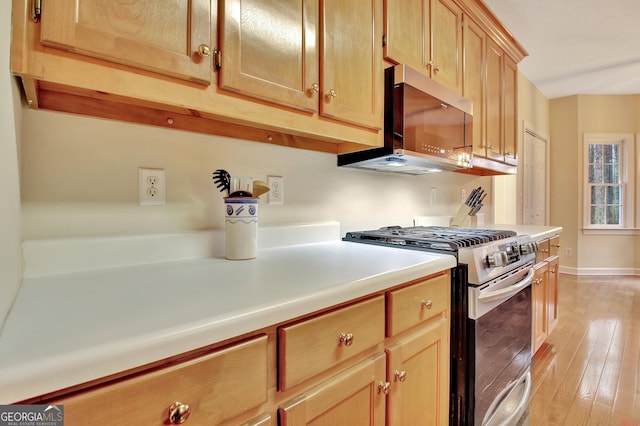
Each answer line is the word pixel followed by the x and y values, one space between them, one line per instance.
pixel 518 409
pixel 505 293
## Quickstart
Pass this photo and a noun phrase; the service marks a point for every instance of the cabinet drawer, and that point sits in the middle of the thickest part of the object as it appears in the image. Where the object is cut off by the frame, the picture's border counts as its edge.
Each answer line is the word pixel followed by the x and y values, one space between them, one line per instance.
pixel 543 253
pixel 216 387
pixel 314 345
pixel 411 305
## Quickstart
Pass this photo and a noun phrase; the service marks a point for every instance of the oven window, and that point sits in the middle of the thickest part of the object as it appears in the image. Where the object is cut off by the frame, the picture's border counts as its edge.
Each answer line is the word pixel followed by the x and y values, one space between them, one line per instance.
pixel 503 349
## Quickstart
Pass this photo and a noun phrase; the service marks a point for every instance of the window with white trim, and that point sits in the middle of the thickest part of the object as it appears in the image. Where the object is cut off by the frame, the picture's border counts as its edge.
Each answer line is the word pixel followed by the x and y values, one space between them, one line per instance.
pixel 608 195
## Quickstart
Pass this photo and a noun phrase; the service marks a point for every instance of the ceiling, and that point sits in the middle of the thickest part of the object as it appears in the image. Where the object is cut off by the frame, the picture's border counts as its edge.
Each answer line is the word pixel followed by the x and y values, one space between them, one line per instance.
pixel 576 46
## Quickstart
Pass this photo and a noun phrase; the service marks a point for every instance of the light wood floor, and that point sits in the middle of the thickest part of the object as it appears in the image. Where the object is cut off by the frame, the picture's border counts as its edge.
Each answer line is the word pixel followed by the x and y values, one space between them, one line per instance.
pixel 588 372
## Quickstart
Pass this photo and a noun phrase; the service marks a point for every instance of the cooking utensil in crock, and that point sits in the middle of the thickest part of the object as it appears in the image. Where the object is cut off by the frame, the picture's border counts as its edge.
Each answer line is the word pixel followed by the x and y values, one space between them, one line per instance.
pixel 222 179
pixel 259 188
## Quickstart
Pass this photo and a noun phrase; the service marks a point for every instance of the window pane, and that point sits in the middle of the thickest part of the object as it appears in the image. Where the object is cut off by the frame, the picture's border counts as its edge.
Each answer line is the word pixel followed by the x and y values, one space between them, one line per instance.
pixel 598 194
pixel 595 173
pixel 613 215
pixel 611 173
pixel 611 154
pixel 613 195
pixel 595 153
pixel 597 215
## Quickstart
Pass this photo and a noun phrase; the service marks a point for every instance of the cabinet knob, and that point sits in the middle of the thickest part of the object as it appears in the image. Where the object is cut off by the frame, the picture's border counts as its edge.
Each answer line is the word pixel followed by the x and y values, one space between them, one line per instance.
pixel 346 339
pixel 315 88
pixel 179 413
pixel 553 270
pixel 400 376
pixel 437 68
pixel 332 94
pixel 384 387
pixel 204 50
pixel 426 304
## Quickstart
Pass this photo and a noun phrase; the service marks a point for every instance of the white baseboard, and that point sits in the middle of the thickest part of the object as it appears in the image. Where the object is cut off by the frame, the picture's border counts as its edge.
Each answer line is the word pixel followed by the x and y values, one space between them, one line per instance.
pixel 599 271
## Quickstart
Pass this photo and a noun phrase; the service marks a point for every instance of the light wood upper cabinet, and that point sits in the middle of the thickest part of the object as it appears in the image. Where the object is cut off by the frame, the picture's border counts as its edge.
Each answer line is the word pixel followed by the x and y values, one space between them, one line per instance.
pixel 446 41
pixel 418 370
pixel 171 37
pixel 474 48
pixel 408 33
pixel 427 36
pixel 351 87
pixel 510 110
pixel 270 50
pixel 494 117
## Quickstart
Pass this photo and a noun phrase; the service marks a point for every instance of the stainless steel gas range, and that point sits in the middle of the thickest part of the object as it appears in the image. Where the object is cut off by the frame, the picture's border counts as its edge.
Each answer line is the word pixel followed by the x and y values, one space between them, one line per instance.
pixel 490 316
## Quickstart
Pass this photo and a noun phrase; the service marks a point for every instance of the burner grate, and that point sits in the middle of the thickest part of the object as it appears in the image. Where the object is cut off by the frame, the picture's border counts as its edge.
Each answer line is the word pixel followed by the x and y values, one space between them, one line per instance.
pixel 436 238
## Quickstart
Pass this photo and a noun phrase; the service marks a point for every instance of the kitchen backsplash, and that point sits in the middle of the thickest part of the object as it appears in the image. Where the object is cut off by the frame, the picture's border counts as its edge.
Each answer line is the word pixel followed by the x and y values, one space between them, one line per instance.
pixel 79 177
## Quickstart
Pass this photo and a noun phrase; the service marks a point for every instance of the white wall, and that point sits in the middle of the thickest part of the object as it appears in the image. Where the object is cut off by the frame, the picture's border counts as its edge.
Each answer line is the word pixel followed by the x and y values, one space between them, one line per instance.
pixel 80 177
pixel 10 258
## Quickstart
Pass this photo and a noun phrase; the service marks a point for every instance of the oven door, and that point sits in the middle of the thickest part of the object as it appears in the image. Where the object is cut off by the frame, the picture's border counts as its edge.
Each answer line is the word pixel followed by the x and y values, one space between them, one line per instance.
pixel 500 316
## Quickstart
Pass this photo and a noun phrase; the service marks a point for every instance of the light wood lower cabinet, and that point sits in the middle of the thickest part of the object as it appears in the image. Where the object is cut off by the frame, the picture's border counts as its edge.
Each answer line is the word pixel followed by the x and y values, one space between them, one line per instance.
pixel 418 370
pixel 215 387
pixel 383 359
pixel 539 295
pixel 314 345
pixel 545 290
pixel 353 397
pixel 552 294
pixel 416 380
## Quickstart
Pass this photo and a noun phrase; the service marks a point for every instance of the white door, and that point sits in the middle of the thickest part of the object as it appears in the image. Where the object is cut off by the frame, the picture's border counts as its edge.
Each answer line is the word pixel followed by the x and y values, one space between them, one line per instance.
pixel 535 179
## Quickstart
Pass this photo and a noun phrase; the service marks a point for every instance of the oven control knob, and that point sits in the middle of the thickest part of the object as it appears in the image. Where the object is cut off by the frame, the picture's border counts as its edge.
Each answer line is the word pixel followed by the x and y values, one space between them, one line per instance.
pixel 529 248
pixel 498 258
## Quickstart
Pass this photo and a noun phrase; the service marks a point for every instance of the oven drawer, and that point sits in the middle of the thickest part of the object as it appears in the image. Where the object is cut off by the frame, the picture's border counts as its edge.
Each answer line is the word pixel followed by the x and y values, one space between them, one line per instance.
pixel 420 302
pixel 314 345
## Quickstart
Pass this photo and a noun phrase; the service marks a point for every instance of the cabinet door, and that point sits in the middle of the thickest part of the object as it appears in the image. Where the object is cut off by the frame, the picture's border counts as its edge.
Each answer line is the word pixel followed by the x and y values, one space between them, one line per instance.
pixel 216 387
pixel 408 33
pixel 354 397
pixel 447 44
pixel 418 368
pixel 474 41
pixel 510 108
pixel 552 294
pixel 351 59
pixel 539 296
pixel 164 36
pixel 493 111
pixel 270 50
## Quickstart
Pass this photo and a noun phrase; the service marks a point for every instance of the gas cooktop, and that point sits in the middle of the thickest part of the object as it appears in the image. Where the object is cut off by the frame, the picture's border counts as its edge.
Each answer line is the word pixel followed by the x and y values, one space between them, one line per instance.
pixel 432 238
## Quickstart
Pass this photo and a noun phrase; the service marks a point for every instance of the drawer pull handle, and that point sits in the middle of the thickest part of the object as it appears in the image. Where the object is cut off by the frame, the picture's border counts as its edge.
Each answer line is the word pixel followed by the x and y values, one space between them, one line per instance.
pixel 400 376
pixel 426 304
pixel 179 413
pixel 346 339
pixel 384 387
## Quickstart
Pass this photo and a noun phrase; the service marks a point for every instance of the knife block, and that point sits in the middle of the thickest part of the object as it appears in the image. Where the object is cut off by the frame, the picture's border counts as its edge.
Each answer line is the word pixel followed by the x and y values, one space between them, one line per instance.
pixel 462 218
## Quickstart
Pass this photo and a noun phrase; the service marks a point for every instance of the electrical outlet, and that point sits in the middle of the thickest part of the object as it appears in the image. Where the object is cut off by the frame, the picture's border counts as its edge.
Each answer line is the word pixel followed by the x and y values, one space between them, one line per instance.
pixel 276 193
pixel 151 187
pixel 568 251
pixel 463 195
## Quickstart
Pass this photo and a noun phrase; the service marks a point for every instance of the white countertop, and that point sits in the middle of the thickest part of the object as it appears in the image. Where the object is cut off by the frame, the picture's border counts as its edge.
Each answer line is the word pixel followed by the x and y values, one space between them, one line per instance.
pixel 536 232
pixel 67 328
